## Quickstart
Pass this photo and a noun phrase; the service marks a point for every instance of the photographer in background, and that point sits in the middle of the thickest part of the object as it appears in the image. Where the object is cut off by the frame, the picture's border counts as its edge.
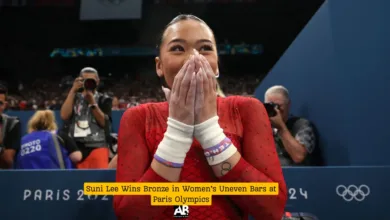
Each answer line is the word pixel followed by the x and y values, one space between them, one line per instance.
pixel 44 147
pixel 88 116
pixel 10 134
pixel 295 137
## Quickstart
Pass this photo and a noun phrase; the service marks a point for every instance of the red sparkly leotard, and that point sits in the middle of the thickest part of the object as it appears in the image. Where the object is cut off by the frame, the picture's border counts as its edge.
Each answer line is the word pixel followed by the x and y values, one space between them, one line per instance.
pixel 243 120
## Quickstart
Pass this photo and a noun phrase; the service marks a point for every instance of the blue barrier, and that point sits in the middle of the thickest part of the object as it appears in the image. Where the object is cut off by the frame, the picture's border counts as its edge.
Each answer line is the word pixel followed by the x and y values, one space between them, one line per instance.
pixel 59 195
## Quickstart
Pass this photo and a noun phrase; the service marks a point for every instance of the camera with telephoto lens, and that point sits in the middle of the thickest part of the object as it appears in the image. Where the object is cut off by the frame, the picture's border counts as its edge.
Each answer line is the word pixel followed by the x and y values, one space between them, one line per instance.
pixel 90 84
pixel 270 108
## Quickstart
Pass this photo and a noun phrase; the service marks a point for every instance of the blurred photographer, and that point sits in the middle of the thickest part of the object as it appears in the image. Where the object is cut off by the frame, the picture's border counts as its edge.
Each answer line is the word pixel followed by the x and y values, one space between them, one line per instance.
pixel 44 147
pixel 295 137
pixel 10 133
pixel 88 115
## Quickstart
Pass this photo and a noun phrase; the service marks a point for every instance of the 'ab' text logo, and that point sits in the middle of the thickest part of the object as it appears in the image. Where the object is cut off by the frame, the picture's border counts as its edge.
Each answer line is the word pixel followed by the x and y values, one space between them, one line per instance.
pixel 181 211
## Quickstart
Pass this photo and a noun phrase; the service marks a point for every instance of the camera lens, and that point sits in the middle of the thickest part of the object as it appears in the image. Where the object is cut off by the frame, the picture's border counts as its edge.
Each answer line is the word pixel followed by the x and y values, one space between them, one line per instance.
pixel 90 84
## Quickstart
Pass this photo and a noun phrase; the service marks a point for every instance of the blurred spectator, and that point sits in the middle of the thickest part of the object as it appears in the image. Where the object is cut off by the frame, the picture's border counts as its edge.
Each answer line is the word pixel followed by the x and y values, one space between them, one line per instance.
pixel 10 134
pixel 122 103
pixel 23 105
pixel 115 104
pixel 55 105
pixel 45 94
pixel 134 102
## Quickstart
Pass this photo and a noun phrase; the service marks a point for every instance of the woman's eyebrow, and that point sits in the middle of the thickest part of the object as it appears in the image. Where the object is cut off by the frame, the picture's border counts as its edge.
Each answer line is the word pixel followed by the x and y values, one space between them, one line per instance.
pixel 179 40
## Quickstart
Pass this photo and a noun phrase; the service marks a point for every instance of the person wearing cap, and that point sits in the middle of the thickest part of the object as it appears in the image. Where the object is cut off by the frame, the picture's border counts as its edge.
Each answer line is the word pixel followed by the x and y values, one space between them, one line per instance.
pixel 87 114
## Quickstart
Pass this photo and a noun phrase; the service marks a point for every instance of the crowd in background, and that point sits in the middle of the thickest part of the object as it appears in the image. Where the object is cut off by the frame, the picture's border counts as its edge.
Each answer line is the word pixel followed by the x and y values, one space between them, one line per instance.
pixel 49 94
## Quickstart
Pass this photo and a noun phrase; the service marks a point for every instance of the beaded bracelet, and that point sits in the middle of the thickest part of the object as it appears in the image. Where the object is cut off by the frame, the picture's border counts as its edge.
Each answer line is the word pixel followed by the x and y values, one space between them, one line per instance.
pixel 219 148
pixel 168 163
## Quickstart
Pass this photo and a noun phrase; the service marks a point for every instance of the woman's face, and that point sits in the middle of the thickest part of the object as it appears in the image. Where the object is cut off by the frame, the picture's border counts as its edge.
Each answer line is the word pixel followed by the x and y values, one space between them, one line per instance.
pixel 179 42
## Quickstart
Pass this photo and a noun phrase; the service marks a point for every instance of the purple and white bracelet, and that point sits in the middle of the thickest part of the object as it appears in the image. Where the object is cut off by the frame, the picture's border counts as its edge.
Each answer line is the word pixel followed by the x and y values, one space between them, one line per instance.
pixel 168 163
pixel 219 148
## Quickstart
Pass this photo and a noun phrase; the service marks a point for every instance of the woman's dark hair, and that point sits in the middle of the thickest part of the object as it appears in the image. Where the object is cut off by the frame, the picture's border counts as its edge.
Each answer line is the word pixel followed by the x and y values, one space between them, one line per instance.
pixel 182 17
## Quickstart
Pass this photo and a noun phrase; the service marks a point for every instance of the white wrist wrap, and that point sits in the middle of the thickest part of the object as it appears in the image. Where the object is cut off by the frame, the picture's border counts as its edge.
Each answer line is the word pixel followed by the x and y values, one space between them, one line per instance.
pixel 216 145
pixel 209 133
pixel 176 142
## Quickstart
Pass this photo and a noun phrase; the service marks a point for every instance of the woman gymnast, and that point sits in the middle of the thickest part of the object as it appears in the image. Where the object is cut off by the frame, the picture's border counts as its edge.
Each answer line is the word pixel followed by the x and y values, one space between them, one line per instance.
pixel 176 141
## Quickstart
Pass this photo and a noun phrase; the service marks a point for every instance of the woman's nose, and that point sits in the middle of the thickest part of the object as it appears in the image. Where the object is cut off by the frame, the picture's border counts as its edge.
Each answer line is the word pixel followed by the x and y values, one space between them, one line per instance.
pixel 192 52
pixel 195 52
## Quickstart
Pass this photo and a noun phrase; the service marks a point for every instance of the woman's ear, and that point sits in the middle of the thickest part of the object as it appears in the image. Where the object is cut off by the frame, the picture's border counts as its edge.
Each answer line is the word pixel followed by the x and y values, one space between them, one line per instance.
pixel 158 67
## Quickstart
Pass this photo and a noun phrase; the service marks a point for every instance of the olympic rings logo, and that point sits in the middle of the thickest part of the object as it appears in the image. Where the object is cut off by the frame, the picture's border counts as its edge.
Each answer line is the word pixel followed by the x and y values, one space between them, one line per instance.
pixel 352 192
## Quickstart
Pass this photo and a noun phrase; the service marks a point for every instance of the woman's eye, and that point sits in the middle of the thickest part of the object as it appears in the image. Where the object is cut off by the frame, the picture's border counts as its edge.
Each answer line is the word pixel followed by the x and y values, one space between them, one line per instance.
pixel 206 48
pixel 177 48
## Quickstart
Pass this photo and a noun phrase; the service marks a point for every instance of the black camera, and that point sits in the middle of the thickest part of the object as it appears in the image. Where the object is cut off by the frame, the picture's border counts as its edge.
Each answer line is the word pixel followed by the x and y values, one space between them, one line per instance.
pixel 90 84
pixel 270 108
